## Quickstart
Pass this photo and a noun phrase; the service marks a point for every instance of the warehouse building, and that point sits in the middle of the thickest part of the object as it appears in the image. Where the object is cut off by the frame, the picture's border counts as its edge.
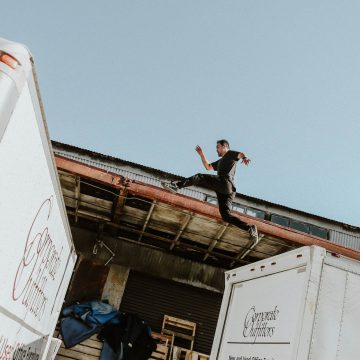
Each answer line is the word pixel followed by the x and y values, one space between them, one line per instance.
pixel 154 253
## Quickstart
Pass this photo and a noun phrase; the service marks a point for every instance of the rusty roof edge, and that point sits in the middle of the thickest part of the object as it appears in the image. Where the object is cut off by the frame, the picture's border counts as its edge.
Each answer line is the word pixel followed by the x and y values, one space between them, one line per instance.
pixel 200 207
pixel 169 175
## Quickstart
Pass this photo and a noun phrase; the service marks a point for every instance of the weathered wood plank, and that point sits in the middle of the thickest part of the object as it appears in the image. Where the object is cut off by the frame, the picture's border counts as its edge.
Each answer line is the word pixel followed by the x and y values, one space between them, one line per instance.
pixel 84 349
pixel 60 357
pixel 72 354
pixel 157 356
pixel 160 352
pixel 93 343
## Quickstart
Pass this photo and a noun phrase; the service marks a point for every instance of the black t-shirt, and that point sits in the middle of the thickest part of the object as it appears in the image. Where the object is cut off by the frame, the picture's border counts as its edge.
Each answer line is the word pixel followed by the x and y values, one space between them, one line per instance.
pixel 226 166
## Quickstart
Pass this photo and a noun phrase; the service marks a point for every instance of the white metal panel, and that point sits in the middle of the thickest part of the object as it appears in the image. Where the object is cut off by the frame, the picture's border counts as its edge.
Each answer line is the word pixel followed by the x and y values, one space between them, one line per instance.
pixel 36 256
pixel 55 311
pixel 349 343
pixel 308 311
pixel 323 318
pixel 8 98
pixel 343 263
pixel 53 348
pixel 36 249
pixel 19 342
pixel 222 315
pixel 19 51
pixel 262 326
pixel 271 288
pixel 328 314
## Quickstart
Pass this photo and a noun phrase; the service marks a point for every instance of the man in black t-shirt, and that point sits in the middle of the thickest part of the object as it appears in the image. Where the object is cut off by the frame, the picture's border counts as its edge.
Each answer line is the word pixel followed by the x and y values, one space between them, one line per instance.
pixel 222 183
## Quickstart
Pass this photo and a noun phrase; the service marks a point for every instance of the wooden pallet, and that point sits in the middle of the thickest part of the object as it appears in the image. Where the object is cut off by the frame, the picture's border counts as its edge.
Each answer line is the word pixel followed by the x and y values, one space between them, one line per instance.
pixel 197 356
pixel 90 349
pixel 180 328
pixel 160 353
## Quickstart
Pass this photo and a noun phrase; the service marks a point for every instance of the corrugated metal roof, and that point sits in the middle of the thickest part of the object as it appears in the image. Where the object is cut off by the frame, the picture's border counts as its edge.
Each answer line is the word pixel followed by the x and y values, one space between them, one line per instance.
pixel 162 224
pixel 69 150
pixel 95 155
pixel 121 167
pixel 126 173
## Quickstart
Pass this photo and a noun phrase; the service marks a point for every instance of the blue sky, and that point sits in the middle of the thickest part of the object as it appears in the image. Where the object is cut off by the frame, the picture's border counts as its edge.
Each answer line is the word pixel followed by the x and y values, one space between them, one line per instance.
pixel 147 81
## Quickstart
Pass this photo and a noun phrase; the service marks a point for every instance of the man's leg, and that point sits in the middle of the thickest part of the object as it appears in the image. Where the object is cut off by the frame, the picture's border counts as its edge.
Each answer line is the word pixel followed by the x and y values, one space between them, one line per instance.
pixel 205 180
pixel 225 203
pixel 212 182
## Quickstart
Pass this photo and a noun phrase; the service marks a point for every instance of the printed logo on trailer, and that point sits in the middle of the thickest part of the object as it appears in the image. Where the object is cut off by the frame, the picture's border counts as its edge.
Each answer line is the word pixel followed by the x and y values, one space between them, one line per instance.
pixel 260 324
pixel 39 263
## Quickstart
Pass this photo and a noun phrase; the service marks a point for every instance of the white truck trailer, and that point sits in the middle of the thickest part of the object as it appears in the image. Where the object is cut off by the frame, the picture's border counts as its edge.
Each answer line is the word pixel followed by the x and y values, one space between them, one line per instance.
pixel 37 254
pixel 301 305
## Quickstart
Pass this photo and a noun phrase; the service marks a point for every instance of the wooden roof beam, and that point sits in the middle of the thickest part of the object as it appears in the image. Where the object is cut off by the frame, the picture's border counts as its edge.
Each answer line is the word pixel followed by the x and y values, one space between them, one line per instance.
pixel 119 204
pixel 183 226
pixel 152 207
pixel 214 242
pixel 197 206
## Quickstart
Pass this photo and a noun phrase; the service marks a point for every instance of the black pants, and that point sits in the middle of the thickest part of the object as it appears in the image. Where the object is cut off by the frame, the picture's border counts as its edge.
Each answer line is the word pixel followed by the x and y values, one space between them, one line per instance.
pixel 221 186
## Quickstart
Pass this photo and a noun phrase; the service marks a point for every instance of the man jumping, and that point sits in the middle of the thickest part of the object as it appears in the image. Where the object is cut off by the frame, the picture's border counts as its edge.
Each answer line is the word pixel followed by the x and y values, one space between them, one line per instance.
pixel 222 183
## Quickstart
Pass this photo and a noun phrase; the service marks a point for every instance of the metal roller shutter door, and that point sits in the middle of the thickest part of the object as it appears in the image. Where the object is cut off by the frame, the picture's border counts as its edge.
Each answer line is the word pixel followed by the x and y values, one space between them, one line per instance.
pixel 150 298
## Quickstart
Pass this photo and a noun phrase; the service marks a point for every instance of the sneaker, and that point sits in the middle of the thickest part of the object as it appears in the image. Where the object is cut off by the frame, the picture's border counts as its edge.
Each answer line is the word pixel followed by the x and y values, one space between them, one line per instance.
pixel 253 232
pixel 170 186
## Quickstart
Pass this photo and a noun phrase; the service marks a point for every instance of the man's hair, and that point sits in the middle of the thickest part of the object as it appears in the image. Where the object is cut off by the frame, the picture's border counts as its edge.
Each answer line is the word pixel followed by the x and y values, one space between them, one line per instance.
pixel 223 142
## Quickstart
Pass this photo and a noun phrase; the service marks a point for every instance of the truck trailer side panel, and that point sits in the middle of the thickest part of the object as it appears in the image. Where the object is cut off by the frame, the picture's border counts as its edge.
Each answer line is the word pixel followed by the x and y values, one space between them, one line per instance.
pixel 337 316
pixel 304 304
pixel 37 254
pixel 269 322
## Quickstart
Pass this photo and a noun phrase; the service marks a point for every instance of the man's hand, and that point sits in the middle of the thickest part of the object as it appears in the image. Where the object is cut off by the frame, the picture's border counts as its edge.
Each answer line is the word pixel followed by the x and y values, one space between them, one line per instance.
pixel 244 160
pixel 199 150
pixel 205 162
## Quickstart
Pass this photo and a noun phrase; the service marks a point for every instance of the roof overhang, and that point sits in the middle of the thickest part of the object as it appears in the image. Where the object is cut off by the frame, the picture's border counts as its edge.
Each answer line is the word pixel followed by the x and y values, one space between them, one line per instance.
pixel 151 216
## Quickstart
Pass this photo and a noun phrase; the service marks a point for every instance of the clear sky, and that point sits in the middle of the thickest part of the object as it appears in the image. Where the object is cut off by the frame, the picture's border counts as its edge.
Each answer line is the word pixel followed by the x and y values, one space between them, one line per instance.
pixel 148 80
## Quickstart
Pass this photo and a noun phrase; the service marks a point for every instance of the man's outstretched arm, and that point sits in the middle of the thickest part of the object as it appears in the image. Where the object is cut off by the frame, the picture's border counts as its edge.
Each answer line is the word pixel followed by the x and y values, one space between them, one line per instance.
pixel 204 160
pixel 244 159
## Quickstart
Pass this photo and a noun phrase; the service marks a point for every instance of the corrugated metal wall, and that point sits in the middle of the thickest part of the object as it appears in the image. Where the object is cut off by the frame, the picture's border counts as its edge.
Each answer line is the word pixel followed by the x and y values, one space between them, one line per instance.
pixel 348 240
pixel 150 298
